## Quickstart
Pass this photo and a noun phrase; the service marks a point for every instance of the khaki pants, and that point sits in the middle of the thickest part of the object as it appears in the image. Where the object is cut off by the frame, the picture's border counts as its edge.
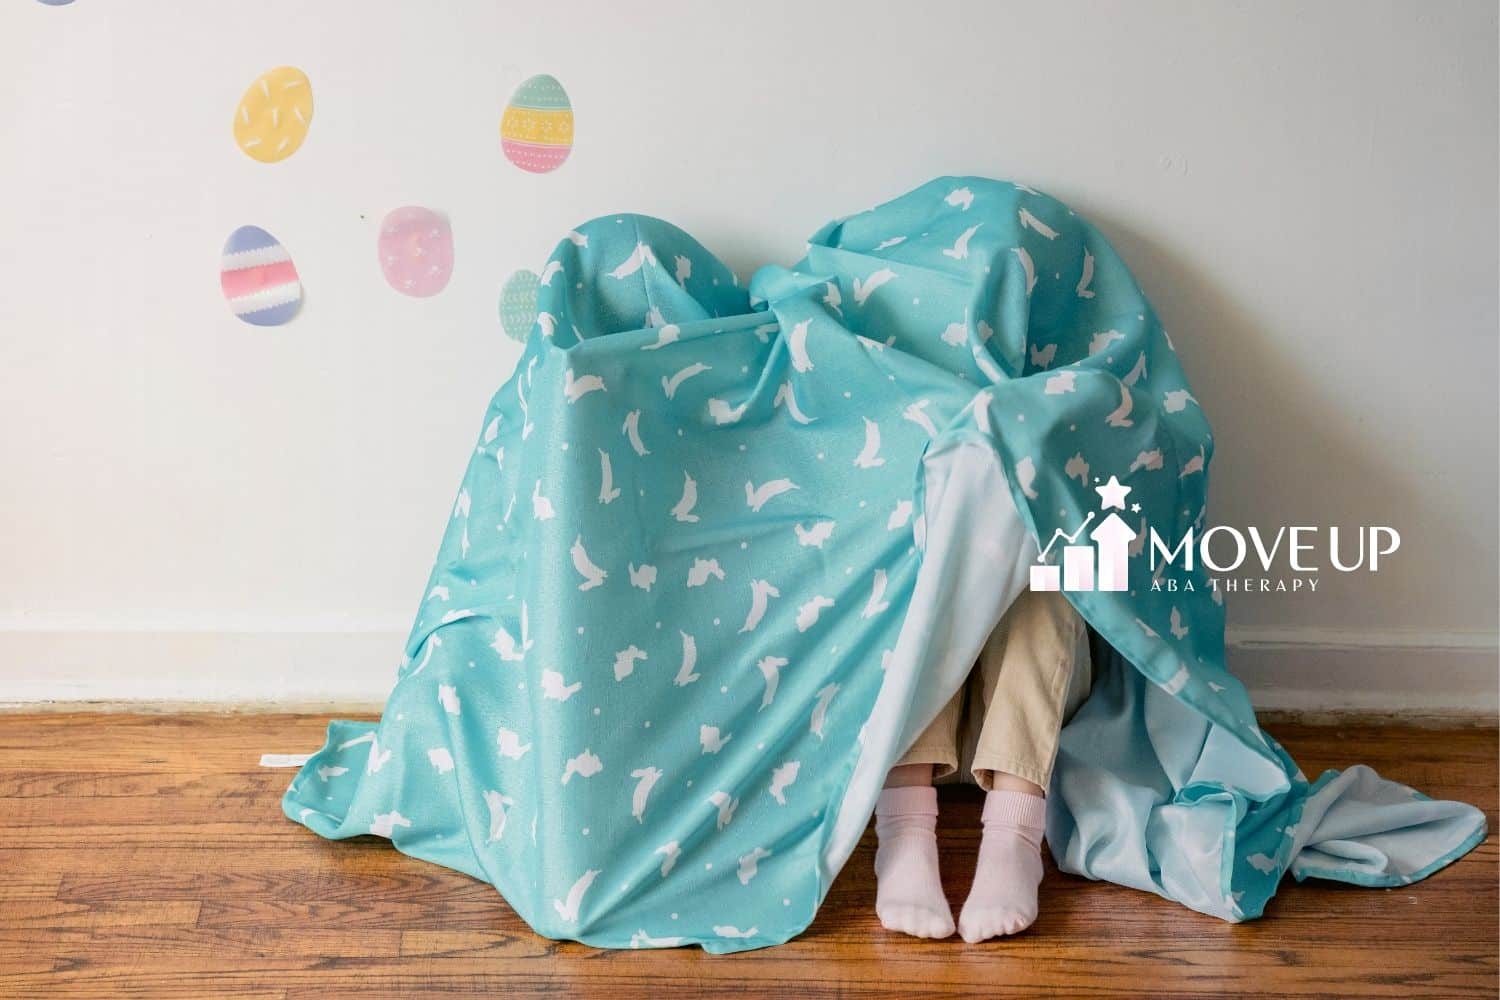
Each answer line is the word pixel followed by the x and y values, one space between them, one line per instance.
pixel 1033 672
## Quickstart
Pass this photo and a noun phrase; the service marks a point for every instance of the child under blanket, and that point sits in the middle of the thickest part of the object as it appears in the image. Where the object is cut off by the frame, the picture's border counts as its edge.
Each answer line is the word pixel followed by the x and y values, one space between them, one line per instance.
pixel 721 548
pixel 1032 673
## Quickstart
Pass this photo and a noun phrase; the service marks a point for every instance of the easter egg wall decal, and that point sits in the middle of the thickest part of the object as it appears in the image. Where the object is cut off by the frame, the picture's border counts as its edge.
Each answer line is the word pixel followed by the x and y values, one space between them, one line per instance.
pixel 258 278
pixel 272 118
pixel 416 251
pixel 518 304
pixel 536 130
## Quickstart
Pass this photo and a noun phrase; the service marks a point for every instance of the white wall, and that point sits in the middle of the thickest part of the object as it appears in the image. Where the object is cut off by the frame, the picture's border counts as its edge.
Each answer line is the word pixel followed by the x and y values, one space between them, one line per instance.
pixel 193 508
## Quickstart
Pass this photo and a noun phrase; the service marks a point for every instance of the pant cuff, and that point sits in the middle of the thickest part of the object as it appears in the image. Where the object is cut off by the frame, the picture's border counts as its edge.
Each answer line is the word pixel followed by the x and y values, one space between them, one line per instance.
pixel 944 762
pixel 1028 770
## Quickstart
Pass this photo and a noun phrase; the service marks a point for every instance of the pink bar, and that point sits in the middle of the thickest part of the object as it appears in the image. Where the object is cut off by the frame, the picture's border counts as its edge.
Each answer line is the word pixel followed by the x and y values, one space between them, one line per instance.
pixel 1078 567
pixel 1046 578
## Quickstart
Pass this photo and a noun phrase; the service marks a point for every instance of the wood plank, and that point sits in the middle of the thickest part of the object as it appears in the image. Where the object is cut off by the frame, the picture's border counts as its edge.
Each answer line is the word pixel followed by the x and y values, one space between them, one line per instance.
pixel 71 783
pixel 146 856
pixel 55 915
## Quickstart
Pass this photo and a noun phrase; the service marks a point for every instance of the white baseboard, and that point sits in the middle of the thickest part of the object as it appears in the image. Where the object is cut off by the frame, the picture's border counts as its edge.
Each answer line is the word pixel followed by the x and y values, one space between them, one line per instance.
pixel 1372 670
pixel 1295 670
pixel 207 667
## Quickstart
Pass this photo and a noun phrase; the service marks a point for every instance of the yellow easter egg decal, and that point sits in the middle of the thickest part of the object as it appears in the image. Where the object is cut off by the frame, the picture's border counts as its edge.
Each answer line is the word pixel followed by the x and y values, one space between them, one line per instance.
pixel 273 116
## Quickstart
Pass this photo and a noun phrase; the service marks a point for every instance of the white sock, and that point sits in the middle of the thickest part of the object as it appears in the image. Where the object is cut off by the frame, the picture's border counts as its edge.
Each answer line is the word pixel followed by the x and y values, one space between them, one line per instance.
pixel 909 892
pixel 1003 897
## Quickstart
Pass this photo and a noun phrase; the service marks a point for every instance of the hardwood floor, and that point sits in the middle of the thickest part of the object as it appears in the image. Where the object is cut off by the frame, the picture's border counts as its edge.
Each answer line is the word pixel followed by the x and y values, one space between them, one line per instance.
pixel 146 856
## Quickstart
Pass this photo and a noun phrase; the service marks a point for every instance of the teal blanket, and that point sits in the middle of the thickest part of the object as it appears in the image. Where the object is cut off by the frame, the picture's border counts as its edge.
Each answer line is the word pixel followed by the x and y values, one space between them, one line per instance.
pixel 722 552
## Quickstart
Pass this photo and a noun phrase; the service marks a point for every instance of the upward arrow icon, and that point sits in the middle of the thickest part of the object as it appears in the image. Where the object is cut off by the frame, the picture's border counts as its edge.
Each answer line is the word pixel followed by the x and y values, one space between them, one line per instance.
pixel 1112 538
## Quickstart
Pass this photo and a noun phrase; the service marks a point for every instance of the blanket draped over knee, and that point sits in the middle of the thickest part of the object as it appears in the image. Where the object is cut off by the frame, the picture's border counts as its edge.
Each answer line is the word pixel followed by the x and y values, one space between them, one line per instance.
pixel 722 551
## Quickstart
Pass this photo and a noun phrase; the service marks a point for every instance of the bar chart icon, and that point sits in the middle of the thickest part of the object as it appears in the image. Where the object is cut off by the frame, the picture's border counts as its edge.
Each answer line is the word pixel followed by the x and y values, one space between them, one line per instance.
pixel 1102 566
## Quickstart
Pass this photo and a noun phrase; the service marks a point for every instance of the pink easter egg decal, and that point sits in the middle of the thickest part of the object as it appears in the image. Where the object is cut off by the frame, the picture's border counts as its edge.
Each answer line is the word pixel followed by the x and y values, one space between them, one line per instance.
pixel 416 251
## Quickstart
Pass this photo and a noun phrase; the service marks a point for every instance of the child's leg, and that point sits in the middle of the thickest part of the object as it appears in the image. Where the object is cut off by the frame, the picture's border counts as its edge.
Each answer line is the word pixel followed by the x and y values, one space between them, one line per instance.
pixel 909 892
pixel 935 752
pixel 1029 670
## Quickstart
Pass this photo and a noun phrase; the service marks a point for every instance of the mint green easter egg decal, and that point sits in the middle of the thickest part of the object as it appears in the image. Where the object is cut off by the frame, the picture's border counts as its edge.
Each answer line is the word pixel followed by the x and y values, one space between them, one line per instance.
pixel 518 304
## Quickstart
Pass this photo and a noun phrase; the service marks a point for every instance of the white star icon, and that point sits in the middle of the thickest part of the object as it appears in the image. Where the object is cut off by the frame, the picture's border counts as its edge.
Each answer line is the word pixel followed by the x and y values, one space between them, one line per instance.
pixel 1112 494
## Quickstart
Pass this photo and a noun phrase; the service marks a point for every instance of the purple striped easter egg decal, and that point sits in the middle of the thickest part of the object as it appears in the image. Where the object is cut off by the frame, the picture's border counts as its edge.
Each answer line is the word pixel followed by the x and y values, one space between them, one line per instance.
pixel 258 278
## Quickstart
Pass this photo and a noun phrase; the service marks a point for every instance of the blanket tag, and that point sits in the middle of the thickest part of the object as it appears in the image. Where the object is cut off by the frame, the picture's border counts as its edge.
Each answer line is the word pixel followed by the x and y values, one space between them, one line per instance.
pixel 284 759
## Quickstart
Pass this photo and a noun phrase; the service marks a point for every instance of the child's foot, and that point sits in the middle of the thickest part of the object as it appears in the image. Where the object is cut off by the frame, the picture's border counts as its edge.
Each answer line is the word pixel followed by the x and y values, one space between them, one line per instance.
pixel 909 894
pixel 1003 897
